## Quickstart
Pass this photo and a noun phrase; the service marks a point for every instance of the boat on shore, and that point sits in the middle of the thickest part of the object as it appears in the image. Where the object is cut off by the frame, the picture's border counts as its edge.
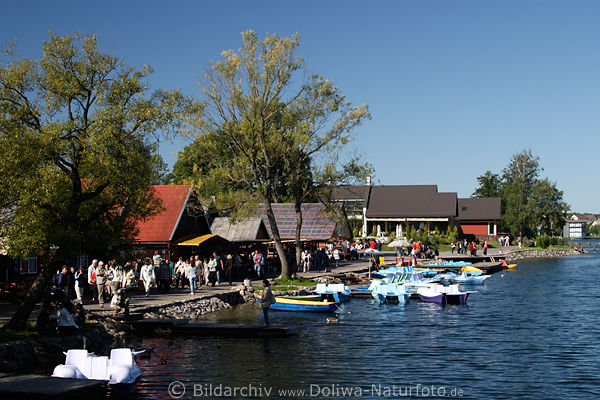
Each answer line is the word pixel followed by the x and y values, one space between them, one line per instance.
pixel 119 370
pixel 293 303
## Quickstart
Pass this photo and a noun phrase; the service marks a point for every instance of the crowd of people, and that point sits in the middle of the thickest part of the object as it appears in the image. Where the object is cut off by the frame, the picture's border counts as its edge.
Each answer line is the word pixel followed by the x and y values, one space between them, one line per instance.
pixel 464 247
pixel 100 282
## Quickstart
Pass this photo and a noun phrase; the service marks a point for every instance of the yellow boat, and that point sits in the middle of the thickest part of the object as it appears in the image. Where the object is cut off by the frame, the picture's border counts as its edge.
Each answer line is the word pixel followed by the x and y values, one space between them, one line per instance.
pixel 511 266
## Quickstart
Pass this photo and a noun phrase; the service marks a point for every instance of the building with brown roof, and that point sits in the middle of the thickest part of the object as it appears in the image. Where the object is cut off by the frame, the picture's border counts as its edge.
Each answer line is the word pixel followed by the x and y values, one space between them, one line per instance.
pixel 394 208
pixel 479 217
pixel 317 225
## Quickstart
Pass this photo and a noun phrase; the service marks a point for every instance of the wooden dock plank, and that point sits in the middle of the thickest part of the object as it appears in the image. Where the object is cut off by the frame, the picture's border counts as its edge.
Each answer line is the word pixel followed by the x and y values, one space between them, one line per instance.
pixel 46 387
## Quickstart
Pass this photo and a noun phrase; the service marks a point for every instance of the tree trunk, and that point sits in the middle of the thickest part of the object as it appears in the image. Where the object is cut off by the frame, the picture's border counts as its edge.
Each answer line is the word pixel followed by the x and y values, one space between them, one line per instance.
pixel 285 270
pixel 298 207
pixel 40 289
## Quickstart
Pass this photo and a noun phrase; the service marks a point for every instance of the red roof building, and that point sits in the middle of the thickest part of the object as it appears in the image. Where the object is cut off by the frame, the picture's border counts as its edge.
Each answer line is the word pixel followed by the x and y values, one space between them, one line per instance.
pixel 181 216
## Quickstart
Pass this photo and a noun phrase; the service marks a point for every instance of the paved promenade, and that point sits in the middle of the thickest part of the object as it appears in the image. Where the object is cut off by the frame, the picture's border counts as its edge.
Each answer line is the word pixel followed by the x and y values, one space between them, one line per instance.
pixel 138 301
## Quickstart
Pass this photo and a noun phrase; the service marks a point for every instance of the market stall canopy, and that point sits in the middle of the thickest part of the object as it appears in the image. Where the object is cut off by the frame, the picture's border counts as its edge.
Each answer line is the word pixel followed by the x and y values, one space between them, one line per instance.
pixel 198 240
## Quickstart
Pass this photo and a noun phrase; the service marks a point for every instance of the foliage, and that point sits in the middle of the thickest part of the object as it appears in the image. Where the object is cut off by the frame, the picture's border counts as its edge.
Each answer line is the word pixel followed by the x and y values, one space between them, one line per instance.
pixel 593 230
pixel 490 185
pixel 542 241
pixel 268 133
pixel 529 204
pixel 548 207
pixel 78 134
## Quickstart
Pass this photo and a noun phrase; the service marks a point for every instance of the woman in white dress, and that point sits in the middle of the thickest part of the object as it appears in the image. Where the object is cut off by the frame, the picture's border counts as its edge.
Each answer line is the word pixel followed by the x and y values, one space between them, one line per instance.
pixel 147 275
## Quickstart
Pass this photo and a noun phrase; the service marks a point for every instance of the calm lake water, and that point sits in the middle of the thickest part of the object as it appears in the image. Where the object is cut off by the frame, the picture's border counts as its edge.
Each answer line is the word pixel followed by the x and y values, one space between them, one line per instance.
pixel 533 333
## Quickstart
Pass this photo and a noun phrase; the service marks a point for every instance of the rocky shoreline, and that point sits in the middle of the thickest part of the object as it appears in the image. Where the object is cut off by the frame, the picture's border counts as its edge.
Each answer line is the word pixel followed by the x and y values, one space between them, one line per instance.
pixel 548 253
pixel 193 308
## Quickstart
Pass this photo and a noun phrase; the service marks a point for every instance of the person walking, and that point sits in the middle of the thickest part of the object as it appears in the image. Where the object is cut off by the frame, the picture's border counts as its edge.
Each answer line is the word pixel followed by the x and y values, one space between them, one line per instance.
pixel 228 269
pixel 306 261
pixel 485 247
pixel 212 271
pixel 266 300
pixel 147 275
pixel 336 256
pixel 79 283
pixel 100 282
pixel 258 261
pixel 179 273
pixel 191 273
pixel 220 266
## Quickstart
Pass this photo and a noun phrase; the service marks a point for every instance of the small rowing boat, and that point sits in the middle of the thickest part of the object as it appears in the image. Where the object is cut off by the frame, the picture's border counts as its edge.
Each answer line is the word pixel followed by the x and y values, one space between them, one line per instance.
pixel 292 303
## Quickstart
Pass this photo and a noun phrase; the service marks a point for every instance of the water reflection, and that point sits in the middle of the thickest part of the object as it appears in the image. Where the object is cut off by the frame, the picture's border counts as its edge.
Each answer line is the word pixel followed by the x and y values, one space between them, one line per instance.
pixel 529 333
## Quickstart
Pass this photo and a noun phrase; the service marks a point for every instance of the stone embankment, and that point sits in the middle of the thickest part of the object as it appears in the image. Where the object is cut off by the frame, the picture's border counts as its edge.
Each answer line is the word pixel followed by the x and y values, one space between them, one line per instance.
pixel 193 308
pixel 548 253
pixel 42 353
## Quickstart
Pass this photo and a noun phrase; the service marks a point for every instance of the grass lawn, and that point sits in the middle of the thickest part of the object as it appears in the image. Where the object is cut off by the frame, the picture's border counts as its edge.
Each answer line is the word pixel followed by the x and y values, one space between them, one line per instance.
pixel 285 284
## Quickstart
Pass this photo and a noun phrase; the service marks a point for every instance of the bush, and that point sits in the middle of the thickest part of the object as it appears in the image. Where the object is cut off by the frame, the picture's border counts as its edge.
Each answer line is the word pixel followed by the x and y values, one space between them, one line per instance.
pixel 553 241
pixel 527 242
pixel 543 241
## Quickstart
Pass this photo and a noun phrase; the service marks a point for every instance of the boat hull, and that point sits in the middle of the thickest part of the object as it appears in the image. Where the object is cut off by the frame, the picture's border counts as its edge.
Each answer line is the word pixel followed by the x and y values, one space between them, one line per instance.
pixel 288 304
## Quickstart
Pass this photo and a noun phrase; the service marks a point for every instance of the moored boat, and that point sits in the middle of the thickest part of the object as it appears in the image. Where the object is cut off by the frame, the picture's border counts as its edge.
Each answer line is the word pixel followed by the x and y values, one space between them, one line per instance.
pixel 395 293
pixel 290 303
pixel 465 279
pixel 336 291
pixel 443 294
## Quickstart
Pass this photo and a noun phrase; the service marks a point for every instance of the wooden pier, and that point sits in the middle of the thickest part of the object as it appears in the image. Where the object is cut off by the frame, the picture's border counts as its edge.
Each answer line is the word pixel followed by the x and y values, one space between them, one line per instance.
pixel 182 327
pixel 45 387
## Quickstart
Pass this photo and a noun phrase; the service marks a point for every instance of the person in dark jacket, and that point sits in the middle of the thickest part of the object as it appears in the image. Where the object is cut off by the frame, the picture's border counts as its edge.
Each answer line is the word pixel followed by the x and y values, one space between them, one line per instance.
pixel 266 300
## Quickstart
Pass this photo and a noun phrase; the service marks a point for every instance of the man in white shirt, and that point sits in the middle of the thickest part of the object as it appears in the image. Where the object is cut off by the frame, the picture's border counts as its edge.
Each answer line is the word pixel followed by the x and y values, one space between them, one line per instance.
pixel 91 277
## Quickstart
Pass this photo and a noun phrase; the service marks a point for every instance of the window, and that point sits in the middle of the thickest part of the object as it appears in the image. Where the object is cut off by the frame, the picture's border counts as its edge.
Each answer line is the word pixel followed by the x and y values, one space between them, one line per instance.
pixel 29 265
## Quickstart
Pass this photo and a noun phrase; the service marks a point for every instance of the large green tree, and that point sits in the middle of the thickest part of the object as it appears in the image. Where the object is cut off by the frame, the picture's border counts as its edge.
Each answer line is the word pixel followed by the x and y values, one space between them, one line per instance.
pixel 519 178
pixel 276 121
pixel 528 203
pixel 548 207
pixel 78 134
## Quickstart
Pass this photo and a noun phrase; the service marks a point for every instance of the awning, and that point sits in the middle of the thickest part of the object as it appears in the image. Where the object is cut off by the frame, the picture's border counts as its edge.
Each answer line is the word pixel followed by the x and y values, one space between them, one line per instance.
pixel 198 240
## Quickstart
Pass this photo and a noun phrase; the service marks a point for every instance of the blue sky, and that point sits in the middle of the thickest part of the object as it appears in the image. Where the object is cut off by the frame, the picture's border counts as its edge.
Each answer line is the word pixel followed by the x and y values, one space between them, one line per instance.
pixel 454 87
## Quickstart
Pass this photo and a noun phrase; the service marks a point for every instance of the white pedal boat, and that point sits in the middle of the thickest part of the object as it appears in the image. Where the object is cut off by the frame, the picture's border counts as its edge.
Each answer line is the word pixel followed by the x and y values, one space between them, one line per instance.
pixel 119 370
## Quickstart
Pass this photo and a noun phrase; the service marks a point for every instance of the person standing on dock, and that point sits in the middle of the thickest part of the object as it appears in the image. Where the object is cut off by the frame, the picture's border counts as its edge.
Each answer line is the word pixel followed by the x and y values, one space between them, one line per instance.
pixel 266 300
pixel 485 247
